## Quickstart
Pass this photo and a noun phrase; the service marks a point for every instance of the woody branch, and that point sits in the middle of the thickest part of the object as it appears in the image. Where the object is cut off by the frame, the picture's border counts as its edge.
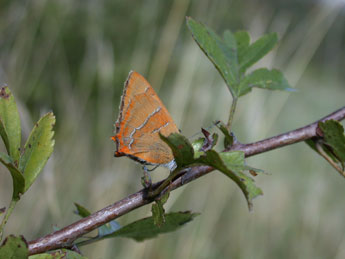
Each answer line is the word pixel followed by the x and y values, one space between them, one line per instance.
pixel 67 235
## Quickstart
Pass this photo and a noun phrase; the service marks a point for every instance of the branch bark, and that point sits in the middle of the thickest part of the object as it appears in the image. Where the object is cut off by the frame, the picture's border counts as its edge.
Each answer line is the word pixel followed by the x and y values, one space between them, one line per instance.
pixel 67 235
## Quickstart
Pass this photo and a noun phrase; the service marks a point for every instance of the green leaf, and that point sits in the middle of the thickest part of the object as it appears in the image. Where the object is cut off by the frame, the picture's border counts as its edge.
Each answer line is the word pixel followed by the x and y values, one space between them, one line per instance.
pixel 222 54
pixel 81 211
pixel 145 228
pixel 181 148
pixel 312 144
pixel 158 213
pixel 10 129
pixel 228 138
pixel 243 41
pixel 197 145
pixel 108 228
pixel 232 165
pixel 37 149
pixel 333 134
pixel 266 79
pixel 17 177
pixel 164 198
pixel 59 254
pixel 14 248
pixel 257 50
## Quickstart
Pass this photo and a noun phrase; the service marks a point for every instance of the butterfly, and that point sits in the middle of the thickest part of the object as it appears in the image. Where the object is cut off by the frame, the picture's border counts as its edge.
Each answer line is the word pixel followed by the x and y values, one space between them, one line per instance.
pixel 141 118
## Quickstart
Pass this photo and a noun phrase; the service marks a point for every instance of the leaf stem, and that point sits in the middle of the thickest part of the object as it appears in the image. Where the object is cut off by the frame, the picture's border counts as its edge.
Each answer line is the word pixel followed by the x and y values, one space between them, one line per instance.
pixel 329 159
pixel 231 114
pixel 7 215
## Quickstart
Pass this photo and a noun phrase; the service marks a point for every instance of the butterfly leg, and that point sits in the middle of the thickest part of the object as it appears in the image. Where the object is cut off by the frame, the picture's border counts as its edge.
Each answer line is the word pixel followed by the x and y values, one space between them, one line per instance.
pixel 146 178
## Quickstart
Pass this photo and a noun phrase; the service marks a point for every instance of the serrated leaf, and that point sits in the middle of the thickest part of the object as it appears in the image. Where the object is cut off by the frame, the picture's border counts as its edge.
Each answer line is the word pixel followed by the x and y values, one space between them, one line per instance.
pixel 10 129
pixel 14 248
pixel 146 229
pixel 222 55
pixel 333 134
pixel 266 79
pixel 158 213
pixel 17 177
pixel 59 254
pixel 181 148
pixel 232 165
pixel 257 50
pixel 37 149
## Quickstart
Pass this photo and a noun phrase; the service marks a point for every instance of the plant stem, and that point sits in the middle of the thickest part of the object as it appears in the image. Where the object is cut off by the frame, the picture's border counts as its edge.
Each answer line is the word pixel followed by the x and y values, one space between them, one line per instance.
pixel 231 114
pixel 7 215
pixel 329 160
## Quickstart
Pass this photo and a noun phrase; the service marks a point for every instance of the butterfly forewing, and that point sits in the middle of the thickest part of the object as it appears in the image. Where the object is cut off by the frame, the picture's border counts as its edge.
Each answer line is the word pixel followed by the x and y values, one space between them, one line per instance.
pixel 142 116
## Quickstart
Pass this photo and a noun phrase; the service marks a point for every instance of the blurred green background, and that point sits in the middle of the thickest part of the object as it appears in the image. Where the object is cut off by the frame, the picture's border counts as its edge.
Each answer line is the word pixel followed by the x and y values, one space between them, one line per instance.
pixel 72 57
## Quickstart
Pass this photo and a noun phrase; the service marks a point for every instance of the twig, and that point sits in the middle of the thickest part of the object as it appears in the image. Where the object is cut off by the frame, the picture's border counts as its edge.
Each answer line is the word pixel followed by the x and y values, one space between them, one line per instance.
pixel 7 215
pixel 67 235
pixel 231 114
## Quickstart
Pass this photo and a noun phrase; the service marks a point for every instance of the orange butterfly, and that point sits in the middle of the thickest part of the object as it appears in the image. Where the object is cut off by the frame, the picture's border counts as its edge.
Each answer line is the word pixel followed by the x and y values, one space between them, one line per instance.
pixel 142 116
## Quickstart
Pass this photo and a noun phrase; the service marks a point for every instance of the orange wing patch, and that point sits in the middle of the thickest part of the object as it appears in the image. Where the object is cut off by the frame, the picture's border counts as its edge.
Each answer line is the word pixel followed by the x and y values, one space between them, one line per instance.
pixel 142 116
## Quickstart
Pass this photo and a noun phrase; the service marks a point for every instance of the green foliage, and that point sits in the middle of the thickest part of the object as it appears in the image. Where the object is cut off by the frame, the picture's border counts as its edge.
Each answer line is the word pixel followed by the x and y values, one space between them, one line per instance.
pixel 197 145
pixel 81 211
pixel 234 54
pixel 223 55
pixel 17 177
pixel 228 138
pixel 334 138
pixel 330 144
pixel 24 168
pixel 158 213
pixel 37 149
pixel 14 248
pixel 265 79
pixel 10 129
pixel 182 150
pixel 232 164
pixel 332 141
pixel 59 254
pixel 250 54
pixel 146 228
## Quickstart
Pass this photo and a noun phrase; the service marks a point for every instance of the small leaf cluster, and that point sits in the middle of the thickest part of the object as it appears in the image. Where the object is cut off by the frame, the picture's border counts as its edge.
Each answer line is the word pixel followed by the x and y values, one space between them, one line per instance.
pixel 27 163
pixel 233 54
pixel 232 163
pixel 142 229
pixel 24 164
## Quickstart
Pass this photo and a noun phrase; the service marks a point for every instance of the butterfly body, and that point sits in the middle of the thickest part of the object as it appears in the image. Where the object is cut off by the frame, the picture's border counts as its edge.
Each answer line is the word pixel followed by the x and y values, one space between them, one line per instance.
pixel 142 117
